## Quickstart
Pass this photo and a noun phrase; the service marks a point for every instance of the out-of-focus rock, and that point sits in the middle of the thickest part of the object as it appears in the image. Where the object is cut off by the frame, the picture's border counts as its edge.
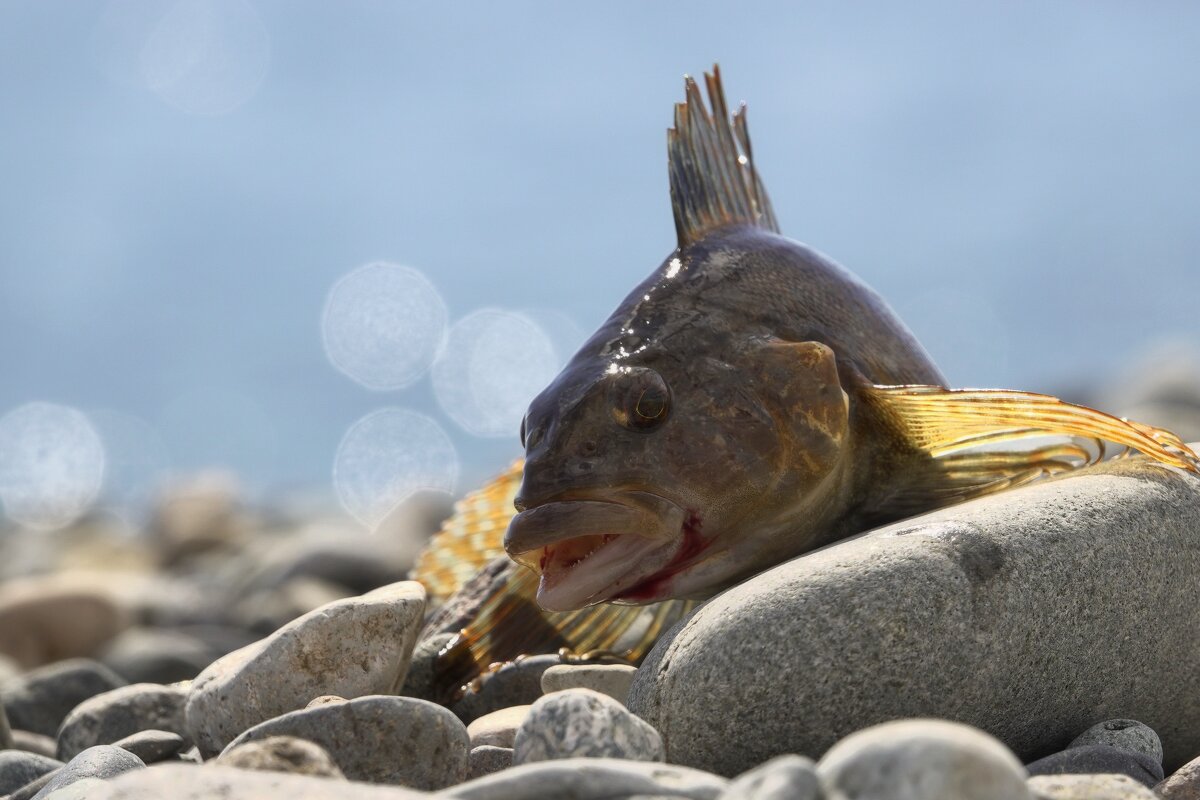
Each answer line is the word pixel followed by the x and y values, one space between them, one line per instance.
pixel 267 610
pixel 39 700
pixel 497 728
pixel 1088 787
pixel 781 778
pixel 153 746
pixel 157 655
pixel 1159 387
pixel 591 779
pixel 18 768
pixel 54 617
pixel 180 782
pixel 613 680
pixel 486 759
pixel 198 514
pixel 103 762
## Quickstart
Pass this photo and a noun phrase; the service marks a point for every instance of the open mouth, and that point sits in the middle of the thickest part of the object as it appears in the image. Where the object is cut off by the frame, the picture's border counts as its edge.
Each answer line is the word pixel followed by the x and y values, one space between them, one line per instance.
pixel 589 551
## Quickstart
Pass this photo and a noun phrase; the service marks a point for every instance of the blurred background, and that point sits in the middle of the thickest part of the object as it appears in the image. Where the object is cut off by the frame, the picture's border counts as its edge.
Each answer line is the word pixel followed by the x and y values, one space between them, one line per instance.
pixel 319 256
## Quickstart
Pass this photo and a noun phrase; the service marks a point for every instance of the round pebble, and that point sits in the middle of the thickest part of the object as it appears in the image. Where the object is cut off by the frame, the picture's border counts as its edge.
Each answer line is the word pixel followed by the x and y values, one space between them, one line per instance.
pixel 1123 734
pixel 39 700
pixel 487 759
pixel 113 715
pixel 498 728
pixel 581 722
pixel 921 760
pixel 18 768
pixel 397 740
pixel 153 746
pixel 282 754
pixel 613 680
pixel 782 778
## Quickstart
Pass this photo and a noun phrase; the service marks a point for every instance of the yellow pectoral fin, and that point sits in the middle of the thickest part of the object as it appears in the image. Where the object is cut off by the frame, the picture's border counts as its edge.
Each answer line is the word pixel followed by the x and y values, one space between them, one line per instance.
pixel 470 539
pixel 946 422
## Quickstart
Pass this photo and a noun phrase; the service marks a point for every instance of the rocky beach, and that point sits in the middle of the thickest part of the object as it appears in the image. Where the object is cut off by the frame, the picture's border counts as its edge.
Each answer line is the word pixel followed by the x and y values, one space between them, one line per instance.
pixel 1039 643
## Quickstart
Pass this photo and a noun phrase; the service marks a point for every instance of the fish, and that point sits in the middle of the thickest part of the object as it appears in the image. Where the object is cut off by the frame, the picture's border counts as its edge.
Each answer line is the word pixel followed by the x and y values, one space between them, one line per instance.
pixel 748 402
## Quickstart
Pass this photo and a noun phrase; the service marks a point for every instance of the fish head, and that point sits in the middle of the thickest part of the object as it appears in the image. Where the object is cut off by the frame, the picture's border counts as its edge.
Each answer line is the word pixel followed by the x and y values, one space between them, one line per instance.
pixel 669 473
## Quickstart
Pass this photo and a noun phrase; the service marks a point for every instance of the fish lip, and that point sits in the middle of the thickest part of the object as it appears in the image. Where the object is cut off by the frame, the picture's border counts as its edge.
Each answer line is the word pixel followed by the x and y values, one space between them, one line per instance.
pixel 566 516
pixel 640 530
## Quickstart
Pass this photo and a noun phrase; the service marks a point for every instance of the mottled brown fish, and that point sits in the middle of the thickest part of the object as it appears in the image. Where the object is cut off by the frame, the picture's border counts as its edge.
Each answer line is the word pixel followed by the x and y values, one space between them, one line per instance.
pixel 750 401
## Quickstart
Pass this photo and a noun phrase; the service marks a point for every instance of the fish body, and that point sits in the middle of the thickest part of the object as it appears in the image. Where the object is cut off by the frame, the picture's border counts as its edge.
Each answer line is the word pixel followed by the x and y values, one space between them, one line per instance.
pixel 749 401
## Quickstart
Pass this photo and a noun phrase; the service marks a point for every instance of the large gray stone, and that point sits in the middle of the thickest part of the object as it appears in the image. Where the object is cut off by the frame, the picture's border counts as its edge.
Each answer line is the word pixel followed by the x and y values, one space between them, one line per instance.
pixel 189 782
pixel 352 647
pixel 102 761
pixel 578 723
pixel 921 759
pixel 400 740
pixel 113 715
pixel 1027 614
pixel 591 779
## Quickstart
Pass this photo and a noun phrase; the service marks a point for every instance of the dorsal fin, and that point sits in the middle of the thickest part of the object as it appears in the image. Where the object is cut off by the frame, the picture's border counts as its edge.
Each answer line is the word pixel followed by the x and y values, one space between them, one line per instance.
pixel 713 180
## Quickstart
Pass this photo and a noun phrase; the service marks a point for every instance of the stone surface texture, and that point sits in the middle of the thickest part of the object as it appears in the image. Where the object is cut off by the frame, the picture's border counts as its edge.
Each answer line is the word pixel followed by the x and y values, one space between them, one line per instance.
pixel 353 647
pixel 40 699
pixel 1183 784
pixel 781 778
pixel 613 680
pixel 582 723
pixel 398 740
pixel 591 779
pixel 921 760
pixel 498 728
pixel 1088 787
pixel 1015 613
pixel 115 714
pixel 487 759
pixel 282 754
pixel 1124 734
pixel 189 782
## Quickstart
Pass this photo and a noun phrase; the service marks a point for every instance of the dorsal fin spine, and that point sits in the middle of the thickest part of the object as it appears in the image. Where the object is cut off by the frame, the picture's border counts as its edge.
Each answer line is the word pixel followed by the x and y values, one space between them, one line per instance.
pixel 713 179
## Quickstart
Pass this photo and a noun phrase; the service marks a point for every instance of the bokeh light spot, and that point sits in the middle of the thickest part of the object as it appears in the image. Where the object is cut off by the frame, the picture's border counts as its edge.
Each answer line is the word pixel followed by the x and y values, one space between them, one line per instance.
pixel 383 325
pixel 206 57
pixel 494 363
pixel 387 457
pixel 51 465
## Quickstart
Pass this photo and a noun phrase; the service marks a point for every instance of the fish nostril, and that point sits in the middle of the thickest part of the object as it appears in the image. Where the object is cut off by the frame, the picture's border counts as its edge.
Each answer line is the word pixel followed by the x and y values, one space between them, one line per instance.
pixel 588 448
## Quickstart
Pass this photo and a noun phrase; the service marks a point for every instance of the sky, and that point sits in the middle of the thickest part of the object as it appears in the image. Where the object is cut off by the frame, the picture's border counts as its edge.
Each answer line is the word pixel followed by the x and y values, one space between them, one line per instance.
pixel 184 185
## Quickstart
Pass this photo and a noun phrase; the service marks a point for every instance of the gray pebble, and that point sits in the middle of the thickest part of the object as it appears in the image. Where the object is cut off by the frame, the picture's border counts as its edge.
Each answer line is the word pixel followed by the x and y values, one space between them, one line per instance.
pixel 18 768
pixel 113 715
pixel 486 759
pixel 282 754
pixel 613 680
pixel 921 760
pixel 517 683
pixel 1124 734
pixel 1099 758
pixel 40 699
pixel 153 746
pixel 782 778
pixel 1088 787
pixel 583 723
pixel 399 740
pixel 307 658
pixel 102 761
pixel 591 779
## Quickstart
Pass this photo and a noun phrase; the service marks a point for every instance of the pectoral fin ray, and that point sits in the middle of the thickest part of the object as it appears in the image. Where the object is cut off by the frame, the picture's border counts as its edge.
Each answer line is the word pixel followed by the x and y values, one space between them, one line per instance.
pixel 966 433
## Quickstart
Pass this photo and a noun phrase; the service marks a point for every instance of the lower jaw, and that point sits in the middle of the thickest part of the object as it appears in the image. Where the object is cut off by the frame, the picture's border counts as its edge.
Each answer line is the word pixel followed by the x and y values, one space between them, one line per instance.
pixel 620 562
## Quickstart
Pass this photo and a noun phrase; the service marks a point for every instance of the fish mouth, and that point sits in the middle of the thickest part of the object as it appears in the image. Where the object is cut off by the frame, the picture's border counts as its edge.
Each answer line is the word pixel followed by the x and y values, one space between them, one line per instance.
pixel 590 550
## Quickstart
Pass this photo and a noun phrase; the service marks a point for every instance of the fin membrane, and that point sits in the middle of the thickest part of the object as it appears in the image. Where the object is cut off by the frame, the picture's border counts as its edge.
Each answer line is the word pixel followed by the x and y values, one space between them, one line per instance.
pixel 713 179
pixel 506 622
pixel 969 434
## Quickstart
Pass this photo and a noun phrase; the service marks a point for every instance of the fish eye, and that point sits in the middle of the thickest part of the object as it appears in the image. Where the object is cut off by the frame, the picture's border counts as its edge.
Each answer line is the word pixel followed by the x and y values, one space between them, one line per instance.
pixel 641 399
